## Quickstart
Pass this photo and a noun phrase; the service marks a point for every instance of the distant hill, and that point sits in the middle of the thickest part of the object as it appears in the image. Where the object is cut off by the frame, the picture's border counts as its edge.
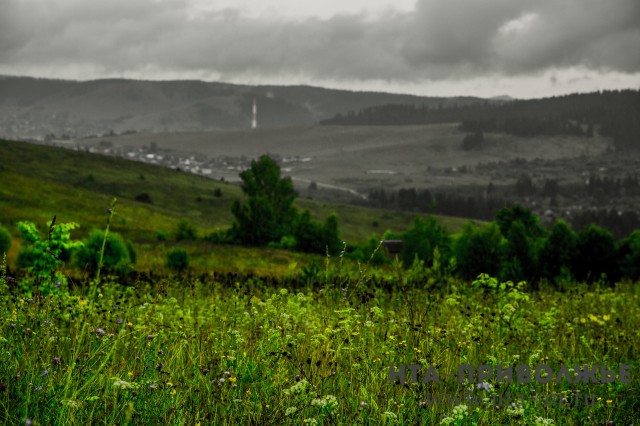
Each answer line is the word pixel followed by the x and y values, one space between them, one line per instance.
pixel 31 107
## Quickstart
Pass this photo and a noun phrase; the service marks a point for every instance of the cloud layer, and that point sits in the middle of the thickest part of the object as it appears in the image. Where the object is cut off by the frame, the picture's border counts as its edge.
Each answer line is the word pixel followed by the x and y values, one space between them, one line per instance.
pixel 438 40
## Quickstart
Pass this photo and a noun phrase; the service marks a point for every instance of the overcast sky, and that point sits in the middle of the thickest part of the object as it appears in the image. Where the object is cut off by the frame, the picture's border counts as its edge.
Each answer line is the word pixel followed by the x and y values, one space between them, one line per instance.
pixel 523 48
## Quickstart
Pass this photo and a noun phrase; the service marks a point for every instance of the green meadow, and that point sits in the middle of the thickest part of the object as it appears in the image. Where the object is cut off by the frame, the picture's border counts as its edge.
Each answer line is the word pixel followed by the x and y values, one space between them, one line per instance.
pixel 265 336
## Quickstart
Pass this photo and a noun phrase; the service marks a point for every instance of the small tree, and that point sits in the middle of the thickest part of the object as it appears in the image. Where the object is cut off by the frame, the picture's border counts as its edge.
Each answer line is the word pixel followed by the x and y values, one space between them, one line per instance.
pixel 267 214
pixel 628 255
pixel 478 251
pixel 557 252
pixel 43 256
pixel 595 254
pixel 308 234
pixel 331 235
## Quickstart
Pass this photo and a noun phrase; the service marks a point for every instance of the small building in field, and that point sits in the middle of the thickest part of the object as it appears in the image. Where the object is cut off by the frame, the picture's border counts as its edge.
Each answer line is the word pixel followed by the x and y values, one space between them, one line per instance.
pixel 392 248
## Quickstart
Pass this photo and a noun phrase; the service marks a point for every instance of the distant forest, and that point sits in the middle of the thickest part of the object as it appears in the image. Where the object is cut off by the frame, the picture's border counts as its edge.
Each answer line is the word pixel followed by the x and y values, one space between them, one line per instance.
pixel 614 114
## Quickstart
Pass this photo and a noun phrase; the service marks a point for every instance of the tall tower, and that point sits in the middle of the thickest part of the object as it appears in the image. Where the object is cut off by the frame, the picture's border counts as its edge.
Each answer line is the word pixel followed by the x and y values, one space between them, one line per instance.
pixel 254 121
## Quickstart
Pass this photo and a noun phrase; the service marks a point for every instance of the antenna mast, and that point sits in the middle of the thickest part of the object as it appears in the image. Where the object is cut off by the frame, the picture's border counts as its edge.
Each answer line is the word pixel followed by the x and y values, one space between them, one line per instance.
pixel 254 121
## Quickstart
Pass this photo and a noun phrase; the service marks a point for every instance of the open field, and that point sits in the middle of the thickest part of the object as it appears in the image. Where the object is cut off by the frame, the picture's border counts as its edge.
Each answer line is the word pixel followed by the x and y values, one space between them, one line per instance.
pixel 361 157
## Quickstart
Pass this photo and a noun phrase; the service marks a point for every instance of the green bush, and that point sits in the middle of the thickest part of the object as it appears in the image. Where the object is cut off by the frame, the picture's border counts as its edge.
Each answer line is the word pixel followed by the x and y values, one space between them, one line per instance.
pixel 177 259
pixel 5 240
pixel 186 231
pixel 117 257
pixel 421 240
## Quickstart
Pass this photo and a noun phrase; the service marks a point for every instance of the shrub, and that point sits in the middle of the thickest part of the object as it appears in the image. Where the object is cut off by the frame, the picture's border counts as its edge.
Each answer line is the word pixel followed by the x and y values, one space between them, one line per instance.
pixel 177 259
pixel 117 257
pixel 5 240
pixel 144 198
pixel 162 236
pixel 370 252
pixel 421 240
pixel 186 231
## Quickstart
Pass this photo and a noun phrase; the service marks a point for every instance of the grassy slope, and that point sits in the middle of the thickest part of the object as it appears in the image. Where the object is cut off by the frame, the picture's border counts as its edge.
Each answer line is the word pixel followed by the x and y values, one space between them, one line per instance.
pixel 38 182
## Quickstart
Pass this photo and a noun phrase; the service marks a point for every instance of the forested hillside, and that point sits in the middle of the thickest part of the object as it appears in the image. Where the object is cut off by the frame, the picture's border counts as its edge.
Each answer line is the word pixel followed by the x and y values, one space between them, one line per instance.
pixel 610 113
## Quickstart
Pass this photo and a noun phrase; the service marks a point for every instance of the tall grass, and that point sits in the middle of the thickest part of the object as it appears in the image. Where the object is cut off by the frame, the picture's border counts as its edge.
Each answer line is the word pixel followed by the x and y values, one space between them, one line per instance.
pixel 180 351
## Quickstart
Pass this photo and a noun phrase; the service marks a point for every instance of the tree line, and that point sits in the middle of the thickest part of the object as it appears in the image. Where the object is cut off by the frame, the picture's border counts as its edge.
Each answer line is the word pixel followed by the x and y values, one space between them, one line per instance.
pixel 614 113
pixel 484 204
pixel 516 247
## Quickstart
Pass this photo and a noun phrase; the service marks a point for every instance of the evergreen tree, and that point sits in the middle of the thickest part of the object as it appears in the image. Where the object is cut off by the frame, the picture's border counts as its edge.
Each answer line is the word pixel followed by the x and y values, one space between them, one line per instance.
pixel 557 252
pixel 268 213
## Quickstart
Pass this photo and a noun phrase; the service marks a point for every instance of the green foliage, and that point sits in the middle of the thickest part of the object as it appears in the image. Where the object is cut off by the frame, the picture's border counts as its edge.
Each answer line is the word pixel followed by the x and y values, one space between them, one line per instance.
pixel 177 259
pixel 519 261
pixel 44 255
pixel 308 234
pixel 162 236
pixel 628 254
pixel 371 252
pixel 5 240
pixel 313 237
pixel 133 255
pixel 558 252
pixel 478 250
pixel 186 231
pixel 117 258
pixel 421 239
pixel 522 230
pixel 595 254
pixel 331 234
pixel 267 214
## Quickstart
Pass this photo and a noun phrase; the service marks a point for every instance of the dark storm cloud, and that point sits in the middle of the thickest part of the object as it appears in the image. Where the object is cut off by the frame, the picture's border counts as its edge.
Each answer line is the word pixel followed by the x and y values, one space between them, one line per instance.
pixel 440 39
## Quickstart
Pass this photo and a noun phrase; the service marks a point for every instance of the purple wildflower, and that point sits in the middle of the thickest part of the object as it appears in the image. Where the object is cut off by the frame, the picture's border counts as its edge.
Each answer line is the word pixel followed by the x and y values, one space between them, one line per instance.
pixel 100 331
pixel 45 373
